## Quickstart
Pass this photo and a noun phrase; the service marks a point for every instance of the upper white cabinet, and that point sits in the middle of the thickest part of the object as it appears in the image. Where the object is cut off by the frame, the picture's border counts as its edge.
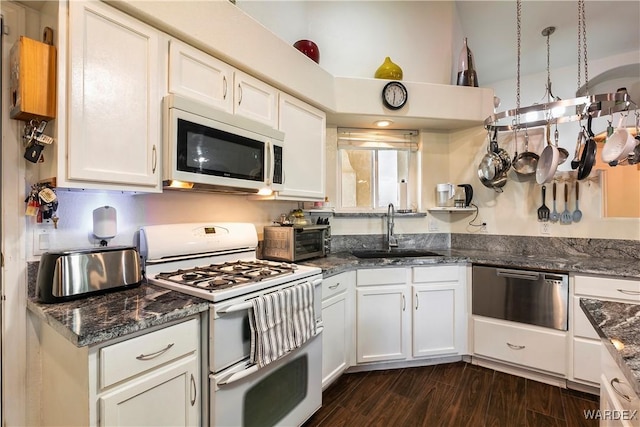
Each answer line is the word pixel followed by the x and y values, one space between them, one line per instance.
pixel 304 130
pixel 114 68
pixel 255 99
pixel 197 75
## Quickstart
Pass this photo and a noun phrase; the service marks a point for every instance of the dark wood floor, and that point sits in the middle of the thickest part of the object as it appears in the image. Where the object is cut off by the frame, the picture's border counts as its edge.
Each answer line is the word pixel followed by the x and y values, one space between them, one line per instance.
pixel 454 394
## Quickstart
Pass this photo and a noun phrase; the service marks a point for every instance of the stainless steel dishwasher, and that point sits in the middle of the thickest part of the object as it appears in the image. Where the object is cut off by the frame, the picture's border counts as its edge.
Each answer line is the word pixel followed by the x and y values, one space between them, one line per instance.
pixel 535 298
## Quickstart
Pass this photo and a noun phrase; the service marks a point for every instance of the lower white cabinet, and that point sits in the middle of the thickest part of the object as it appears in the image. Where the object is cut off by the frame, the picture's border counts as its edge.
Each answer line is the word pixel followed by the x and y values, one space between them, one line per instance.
pixel 407 313
pixel 619 404
pixel 524 345
pixel 152 379
pixel 586 344
pixel 337 318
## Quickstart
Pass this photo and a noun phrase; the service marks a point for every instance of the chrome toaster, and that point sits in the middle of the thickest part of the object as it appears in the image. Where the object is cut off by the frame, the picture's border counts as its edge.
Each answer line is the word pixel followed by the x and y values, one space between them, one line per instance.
pixel 72 274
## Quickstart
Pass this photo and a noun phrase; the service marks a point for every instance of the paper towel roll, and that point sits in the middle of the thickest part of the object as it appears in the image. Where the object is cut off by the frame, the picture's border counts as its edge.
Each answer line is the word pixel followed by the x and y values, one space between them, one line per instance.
pixel 105 222
pixel 403 195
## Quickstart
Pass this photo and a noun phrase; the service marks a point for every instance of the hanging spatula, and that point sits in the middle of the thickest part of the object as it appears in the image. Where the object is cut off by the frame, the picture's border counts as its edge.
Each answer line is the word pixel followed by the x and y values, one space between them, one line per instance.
pixel 565 217
pixel 543 211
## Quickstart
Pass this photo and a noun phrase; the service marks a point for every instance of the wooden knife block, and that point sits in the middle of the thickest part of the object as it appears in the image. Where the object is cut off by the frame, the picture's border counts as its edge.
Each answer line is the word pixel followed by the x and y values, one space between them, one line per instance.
pixel 32 84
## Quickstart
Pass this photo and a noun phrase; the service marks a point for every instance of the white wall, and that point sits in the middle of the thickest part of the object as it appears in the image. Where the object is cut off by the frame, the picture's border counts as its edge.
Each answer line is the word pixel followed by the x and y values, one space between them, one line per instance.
pixel 354 37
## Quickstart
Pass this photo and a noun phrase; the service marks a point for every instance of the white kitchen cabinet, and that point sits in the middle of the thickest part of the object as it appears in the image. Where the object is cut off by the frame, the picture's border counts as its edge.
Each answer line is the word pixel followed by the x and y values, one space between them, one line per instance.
pixel 619 404
pixel 199 76
pixel 439 310
pixel 586 344
pixel 151 379
pixel 337 319
pixel 255 99
pixel 115 67
pixel 524 345
pixel 304 130
pixel 410 313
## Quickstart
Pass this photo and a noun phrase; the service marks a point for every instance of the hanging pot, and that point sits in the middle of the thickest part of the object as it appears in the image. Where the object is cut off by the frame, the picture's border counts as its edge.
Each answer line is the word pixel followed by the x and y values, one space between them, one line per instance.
pixel 492 171
pixel 548 162
pixel 525 163
pixel 588 157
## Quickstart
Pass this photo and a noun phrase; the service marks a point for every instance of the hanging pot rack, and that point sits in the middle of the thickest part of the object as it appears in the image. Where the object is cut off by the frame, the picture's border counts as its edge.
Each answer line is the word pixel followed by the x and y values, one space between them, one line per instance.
pixel 557 110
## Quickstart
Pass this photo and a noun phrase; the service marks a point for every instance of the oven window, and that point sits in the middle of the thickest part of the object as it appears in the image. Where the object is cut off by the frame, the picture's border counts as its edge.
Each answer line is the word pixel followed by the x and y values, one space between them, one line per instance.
pixel 209 151
pixel 276 395
pixel 309 242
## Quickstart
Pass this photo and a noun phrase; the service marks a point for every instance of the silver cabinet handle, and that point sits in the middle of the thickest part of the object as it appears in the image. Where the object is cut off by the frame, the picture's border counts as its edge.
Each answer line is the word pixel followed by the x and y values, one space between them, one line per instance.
pixel 240 93
pixel 334 286
pixel 194 390
pixel 224 87
pixel 416 300
pixel 404 303
pixel 154 355
pixel 613 383
pixel 625 291
pixel 515 347
pixel 154 157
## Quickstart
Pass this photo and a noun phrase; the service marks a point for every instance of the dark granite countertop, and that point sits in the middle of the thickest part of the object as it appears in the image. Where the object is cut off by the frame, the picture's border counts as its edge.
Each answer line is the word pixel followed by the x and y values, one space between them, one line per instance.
pixel 620 323
pixel 617 267
pixel 99 318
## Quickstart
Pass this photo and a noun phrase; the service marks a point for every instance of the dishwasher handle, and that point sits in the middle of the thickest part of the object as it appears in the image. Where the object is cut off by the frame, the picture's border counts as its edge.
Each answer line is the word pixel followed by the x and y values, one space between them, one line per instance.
pixel 518 274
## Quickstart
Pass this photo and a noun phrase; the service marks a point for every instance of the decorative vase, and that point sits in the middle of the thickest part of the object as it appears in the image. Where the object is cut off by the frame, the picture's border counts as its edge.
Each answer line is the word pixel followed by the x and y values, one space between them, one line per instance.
pixel 389 70
pixel 309 48
pixel 466 73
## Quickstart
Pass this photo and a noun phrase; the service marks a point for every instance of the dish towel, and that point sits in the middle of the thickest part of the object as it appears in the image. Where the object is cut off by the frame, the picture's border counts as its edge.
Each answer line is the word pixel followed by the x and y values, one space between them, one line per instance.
pixel 281 321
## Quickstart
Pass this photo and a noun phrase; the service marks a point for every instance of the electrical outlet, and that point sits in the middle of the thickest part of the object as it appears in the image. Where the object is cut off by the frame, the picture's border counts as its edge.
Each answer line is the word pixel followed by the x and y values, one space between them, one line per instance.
pixel 545 228
pixel 483 228
pixel 433 225
pixel 41 240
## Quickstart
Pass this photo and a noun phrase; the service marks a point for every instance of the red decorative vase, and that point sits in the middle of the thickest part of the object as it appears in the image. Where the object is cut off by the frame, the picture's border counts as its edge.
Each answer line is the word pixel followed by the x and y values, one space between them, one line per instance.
pixel 309 48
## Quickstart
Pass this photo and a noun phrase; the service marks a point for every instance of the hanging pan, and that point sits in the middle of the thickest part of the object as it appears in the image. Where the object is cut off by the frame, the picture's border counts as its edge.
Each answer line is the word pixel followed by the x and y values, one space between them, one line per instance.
pixel 588 157
pixel 525 163
pixel 548 162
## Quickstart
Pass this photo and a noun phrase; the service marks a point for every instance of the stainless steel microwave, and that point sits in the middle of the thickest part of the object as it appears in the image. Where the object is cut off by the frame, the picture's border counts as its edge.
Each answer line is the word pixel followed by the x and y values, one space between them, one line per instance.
pixel 295 243
pixel 213 150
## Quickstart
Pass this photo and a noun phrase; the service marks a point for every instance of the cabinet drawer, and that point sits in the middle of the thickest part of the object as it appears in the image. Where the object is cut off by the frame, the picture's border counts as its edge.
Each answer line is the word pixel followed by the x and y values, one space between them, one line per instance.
pixel 608 287
pixel 616 385
pixel 444 273
pixel 381 276
pixel 128 358
pixel 586 360
pixel 336 284
pixel 581 325
pixel 522 345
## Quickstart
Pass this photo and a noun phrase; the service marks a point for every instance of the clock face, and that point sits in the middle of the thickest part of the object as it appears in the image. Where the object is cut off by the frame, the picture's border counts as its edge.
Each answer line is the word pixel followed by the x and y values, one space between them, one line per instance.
pixel 394 95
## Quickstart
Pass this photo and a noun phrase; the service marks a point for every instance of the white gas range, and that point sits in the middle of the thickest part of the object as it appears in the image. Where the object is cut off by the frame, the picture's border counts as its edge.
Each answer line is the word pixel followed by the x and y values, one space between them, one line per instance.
pixel 217 262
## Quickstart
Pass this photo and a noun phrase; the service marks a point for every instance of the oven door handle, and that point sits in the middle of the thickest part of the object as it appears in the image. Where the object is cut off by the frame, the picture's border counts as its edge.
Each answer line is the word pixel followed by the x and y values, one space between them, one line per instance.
pixel 237 376
pixel 248 304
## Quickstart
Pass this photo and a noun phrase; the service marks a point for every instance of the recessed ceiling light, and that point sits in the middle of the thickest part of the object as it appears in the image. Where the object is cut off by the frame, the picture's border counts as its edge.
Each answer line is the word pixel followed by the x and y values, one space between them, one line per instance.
pixel 382 123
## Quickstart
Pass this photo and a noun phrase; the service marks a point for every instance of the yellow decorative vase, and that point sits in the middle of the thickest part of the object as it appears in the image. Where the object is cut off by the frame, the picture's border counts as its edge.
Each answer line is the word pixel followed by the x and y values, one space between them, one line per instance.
pixel 389 70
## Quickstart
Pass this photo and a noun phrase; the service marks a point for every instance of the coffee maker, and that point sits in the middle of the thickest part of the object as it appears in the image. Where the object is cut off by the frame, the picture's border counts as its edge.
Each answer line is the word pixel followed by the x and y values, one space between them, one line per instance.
pixel 463 196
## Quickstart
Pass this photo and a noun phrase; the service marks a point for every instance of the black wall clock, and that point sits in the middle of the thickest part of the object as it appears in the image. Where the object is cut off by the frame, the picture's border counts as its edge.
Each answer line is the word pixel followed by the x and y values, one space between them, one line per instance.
pixel 394 95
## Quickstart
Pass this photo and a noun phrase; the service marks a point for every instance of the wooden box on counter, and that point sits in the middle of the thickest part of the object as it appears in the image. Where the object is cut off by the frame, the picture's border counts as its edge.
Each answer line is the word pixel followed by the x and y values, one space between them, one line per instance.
pixel 32 83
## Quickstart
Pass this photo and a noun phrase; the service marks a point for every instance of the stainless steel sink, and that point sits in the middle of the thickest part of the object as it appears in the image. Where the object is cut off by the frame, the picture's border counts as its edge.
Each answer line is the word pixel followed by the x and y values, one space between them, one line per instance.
pixel 394 253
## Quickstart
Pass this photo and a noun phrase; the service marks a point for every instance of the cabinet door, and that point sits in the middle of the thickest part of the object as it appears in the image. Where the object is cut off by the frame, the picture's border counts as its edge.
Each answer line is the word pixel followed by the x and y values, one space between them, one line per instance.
pixel 382 323
pixel 586 360
pixel 168 396
pixel 114 104
pixel 199 76
pixel 335 318
pixel 438 319
pixel 304 128
pixel 255 100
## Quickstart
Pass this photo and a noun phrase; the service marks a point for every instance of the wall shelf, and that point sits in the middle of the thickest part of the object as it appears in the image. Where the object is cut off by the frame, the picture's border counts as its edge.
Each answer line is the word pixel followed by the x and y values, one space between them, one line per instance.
pixel 451 209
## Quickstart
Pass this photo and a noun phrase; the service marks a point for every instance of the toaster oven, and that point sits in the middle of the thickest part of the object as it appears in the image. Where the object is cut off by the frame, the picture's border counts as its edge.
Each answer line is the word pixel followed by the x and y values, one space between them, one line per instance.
pixel 296 243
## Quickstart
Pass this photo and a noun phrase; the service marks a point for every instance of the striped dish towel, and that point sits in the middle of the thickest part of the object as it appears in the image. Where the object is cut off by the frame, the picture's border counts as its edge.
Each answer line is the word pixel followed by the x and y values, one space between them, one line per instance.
pixel 280 322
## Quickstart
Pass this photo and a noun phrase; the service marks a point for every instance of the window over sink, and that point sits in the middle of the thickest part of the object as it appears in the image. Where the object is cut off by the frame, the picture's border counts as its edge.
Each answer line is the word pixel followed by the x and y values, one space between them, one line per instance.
pixel 377 168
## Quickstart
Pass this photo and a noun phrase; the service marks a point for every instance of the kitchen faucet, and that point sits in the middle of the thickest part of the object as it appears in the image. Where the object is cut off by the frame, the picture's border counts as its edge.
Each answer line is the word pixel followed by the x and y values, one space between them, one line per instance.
pixel 392 241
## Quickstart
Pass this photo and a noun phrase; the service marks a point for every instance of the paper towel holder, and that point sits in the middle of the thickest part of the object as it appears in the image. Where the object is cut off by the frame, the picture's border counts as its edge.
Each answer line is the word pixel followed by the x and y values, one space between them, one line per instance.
pixel 105 224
